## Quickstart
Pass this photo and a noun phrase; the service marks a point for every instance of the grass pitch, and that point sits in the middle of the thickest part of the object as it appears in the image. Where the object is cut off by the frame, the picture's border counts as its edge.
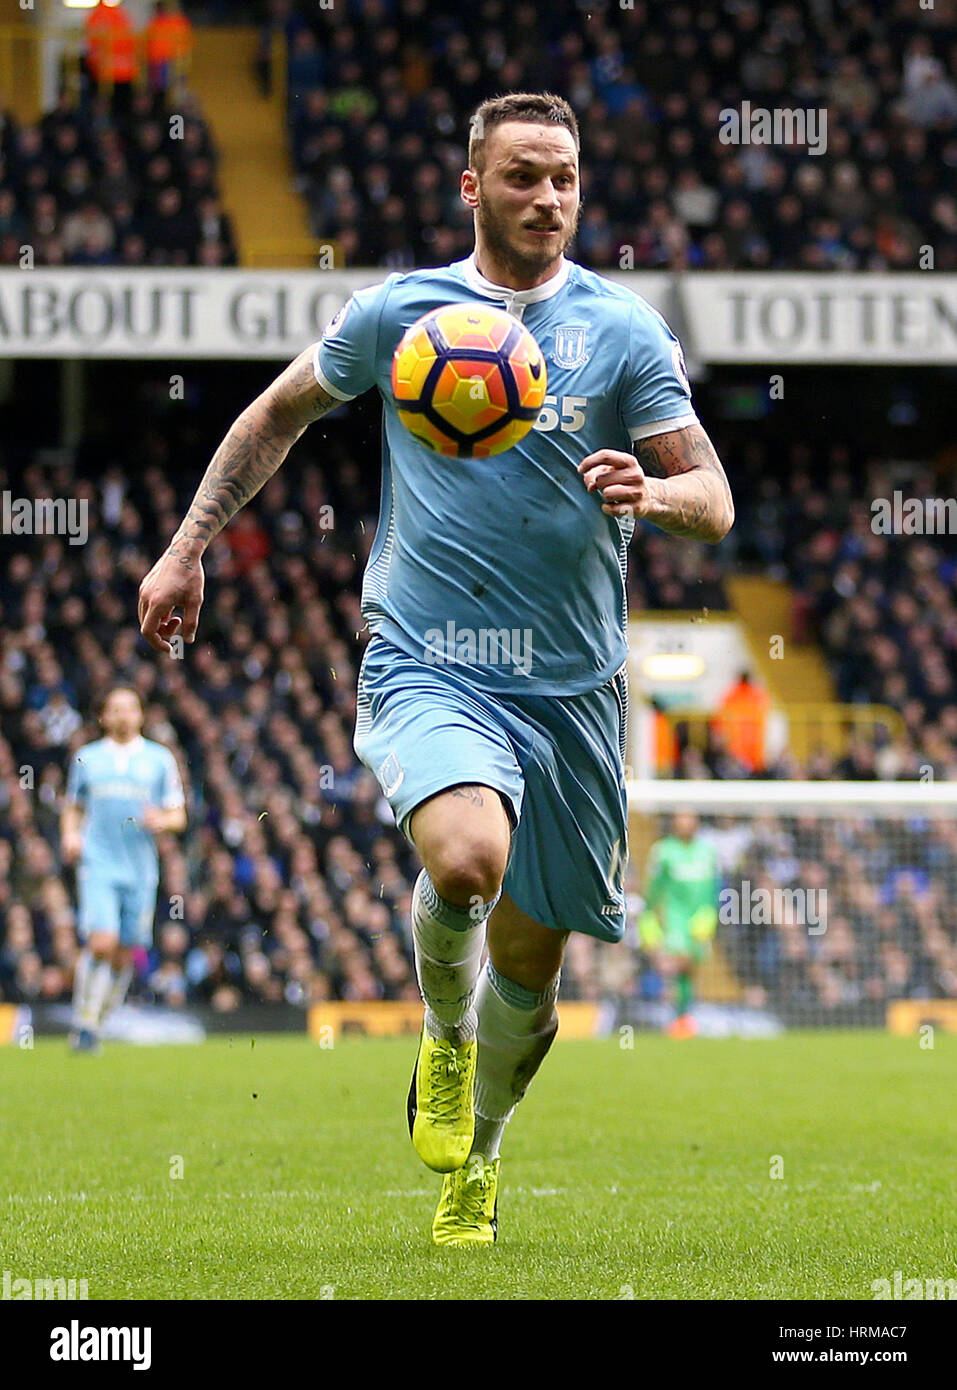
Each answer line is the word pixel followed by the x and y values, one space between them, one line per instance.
pixel 626 1174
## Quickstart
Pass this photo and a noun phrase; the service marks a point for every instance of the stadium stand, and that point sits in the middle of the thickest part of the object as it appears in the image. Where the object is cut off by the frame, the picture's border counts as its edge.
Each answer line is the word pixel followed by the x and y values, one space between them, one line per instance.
pixel 89 185
pixel 295 884
pixel 648 83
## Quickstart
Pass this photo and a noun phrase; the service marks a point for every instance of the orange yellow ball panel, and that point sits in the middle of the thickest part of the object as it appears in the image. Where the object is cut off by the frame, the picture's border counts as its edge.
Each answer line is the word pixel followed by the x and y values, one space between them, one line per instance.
pixel 469 380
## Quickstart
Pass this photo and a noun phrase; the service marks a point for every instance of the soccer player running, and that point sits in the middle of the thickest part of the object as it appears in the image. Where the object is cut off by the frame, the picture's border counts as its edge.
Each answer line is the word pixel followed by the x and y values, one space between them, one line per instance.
pixel 122 790
pixel 681 911
pixel 507 776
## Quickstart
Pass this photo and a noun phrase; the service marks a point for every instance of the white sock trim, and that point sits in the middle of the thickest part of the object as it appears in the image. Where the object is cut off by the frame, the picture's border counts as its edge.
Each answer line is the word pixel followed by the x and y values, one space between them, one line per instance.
pixel 448 960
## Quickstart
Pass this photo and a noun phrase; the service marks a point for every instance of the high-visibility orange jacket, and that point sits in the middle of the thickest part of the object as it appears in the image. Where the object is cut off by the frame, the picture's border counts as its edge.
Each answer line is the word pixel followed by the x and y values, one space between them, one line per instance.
pixel 168 37
pixel 666 744
pixel 110 44
pixel 742 718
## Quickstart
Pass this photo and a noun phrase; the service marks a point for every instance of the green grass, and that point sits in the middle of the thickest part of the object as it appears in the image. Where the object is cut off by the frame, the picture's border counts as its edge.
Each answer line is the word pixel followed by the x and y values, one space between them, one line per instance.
pixel 639 1173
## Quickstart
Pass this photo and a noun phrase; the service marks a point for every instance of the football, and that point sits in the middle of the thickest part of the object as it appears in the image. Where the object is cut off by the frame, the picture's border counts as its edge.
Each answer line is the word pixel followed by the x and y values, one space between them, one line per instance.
pixel 468 380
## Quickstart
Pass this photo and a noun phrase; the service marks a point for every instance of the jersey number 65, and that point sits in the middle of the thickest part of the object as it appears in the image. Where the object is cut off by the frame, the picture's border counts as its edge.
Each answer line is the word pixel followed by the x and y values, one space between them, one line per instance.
pixel 570 420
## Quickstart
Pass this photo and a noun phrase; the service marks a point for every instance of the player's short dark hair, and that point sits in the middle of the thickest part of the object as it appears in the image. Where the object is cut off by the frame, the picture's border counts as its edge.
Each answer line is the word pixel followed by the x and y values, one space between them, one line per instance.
pixel 102 702
pixel 539 108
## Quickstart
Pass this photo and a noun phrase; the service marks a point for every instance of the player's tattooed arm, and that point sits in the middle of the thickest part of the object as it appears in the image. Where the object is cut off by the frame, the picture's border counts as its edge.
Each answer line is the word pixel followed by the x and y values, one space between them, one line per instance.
pixel 254 448
pixel 674 479
pixel 250 454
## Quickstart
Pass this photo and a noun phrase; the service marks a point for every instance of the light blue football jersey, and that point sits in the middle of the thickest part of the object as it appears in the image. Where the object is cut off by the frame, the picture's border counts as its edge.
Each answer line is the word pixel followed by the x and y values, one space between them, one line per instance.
pixel 112 784
pixel 506 567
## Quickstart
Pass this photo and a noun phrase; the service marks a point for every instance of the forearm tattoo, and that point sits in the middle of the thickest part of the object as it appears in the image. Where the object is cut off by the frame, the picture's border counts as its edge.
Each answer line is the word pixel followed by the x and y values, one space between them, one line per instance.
pixel 250 454
pixel 697 501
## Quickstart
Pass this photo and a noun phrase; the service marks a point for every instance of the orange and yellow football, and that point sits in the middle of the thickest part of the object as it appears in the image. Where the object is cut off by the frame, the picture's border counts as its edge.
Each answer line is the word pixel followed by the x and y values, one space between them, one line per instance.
pixel 468 380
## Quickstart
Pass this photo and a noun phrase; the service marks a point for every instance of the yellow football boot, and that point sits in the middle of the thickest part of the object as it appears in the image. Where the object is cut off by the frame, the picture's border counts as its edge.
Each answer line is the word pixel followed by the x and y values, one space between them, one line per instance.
pixel 467 1213
pixel 440 1108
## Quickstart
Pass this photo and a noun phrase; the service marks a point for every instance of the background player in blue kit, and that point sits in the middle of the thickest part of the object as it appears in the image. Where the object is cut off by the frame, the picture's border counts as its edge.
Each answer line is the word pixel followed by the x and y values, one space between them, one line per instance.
pixel 507 775
pixel 122 790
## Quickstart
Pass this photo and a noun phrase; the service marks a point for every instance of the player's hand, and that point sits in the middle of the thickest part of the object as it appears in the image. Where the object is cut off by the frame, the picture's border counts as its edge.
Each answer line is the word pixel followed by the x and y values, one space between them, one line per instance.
pixel 171 583
pixel 71 846
pixel 153 819
pixel 619 477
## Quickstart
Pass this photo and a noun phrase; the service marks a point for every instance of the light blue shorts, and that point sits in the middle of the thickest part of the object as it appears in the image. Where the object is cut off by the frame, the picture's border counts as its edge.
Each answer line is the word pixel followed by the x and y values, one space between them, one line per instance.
pixel 125 910
pixel 558 761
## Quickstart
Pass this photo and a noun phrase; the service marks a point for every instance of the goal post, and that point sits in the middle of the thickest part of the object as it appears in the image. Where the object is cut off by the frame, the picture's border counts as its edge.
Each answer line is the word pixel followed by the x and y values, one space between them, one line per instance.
pixel 837 903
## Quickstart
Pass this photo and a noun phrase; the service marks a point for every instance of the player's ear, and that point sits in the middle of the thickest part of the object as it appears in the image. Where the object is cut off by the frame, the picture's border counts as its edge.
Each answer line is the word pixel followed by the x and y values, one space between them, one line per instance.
pixel 468 189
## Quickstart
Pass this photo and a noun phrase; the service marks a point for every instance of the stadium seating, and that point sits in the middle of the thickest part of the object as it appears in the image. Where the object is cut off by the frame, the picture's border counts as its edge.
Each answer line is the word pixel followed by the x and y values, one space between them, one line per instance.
pixel 90 186
pixel 378 128
pixel 296 883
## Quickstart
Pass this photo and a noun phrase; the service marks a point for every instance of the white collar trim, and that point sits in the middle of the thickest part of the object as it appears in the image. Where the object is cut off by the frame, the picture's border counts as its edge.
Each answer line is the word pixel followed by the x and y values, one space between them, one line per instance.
pixel 133 745
pixel 478 282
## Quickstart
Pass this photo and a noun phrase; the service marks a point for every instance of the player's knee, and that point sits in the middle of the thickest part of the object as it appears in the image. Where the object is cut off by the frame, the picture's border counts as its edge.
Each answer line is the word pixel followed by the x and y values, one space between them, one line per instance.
pixel 101 945
pixel 469 868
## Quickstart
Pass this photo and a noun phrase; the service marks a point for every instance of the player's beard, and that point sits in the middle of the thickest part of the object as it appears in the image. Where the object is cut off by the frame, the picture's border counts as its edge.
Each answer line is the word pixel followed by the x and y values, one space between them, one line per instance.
pixel 520 264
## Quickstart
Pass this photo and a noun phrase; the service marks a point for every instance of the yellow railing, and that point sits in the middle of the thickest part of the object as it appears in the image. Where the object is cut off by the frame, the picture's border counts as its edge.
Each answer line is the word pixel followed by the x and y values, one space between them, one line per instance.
pixel 279 70
pixel 287 252
pixel 21 67
pixel 811 724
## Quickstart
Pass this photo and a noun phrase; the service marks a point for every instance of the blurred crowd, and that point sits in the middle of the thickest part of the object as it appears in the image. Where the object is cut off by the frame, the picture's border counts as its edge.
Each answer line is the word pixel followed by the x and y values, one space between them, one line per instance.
pixel 882 605
pixel 379 97
pixel 884 892
pixel 380 93
pixel 91 184
pixel 292 883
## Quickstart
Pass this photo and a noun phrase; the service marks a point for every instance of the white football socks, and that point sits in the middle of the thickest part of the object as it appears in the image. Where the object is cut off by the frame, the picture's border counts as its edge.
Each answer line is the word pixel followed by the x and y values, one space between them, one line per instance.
pixel 516 1027
pixel 119 984
pixel 449 942
pixel 92 982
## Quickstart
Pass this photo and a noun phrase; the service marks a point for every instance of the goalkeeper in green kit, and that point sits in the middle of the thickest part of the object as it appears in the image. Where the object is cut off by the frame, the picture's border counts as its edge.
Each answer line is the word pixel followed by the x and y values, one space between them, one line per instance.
pixel 681 911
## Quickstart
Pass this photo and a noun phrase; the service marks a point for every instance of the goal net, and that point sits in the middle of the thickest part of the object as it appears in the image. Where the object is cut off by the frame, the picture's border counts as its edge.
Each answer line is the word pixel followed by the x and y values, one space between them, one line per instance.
pixel 836 906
